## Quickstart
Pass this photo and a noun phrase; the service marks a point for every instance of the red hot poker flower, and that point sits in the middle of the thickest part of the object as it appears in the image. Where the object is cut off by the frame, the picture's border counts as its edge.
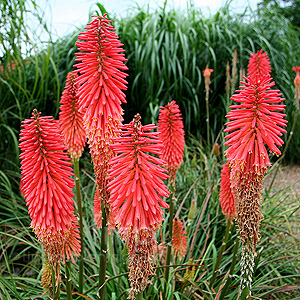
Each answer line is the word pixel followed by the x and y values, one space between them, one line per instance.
pixel 136 187
pixel 101 62
pixel 47 187
pixel 226 194
pixel 70 119
pixel 254 122
pixel 297 86
pixel 259 64
pixel 206 73
pixel 170 127
pixel 179 240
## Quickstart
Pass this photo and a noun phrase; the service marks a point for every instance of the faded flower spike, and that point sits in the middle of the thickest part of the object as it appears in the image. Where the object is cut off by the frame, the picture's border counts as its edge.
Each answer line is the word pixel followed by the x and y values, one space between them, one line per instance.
pixel 47 187
pixel 136 189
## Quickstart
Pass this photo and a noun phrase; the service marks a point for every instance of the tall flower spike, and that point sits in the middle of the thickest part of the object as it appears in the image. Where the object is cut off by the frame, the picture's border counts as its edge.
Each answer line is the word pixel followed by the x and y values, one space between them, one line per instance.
pixel 254 122
pixel 170 127
pixel 100 92
pixel 136 187
pixel 70 119
pixel 226 195
pixel 297 86
pixel 47 186
pixel 259 65
pixel 179 241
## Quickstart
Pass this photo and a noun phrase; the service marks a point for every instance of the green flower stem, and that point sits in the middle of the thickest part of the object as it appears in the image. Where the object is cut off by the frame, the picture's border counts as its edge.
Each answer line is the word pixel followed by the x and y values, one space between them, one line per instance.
pixel 103 254
pixel 68 280
pixel 79 205
pixel 139 296
pixel 55 288
pixel 229 280
pixel 207 115
pixel 171 204
pixel 225 239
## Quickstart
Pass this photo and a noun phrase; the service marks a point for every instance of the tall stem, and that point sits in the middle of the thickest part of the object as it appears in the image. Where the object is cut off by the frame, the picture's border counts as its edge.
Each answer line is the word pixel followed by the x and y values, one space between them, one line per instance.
pixel 139 296
pixel 207 115
pixel 233 263
pixel 225 239
pixel 68 280
pixel 79 204
pixel 172 189
pixel 103 254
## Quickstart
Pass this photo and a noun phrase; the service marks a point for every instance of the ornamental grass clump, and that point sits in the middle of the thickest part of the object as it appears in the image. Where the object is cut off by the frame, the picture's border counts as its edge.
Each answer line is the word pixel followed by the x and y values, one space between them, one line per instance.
pixel 136 189
pixel 255 125
pixel 47 187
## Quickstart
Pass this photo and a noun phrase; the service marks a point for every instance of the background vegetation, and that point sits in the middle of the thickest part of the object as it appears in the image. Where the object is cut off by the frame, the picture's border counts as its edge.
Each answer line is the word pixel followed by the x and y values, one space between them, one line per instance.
pixel 166 51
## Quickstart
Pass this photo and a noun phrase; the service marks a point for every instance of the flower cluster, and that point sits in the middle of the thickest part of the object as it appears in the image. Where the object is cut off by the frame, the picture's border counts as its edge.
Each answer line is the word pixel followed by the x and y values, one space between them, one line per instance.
pixel 47 186
pixel 259 65
pixel 136 187
pixel 101 61
pixel 70 119
pixel 171 132
pixel 179 240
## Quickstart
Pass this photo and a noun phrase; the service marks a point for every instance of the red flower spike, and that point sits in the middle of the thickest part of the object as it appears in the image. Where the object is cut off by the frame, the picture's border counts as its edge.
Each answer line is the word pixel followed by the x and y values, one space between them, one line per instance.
pixel 136 187
pixel 70 119
pixel 296 69
pixel 297 85
pixel 179 240
pixel 47 187
pixel 171 132
pixel 259 65
pixel 101 62
pixel 254 123
pixel 226 194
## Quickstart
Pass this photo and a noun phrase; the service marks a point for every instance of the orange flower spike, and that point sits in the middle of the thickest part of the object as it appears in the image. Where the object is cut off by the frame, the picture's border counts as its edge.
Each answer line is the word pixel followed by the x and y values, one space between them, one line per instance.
pixel 226 194
pixel 297 86
pixel 179 241
pixel 47 187
pixel 136 187
pixel 259 65
pixel 206 73
pixel 171 132
pixel 70 119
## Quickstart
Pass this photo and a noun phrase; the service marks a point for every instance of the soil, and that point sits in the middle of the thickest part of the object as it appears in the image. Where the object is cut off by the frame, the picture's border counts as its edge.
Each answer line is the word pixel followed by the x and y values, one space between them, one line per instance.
pixel 286 177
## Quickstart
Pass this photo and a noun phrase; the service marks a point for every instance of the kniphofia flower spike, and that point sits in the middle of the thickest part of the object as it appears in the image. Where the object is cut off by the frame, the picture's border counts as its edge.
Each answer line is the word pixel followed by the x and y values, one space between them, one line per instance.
pixel 47 187
pixel 101 64
pixel 259 65
pixel 70 119
pixel 171 132
pixel 136 187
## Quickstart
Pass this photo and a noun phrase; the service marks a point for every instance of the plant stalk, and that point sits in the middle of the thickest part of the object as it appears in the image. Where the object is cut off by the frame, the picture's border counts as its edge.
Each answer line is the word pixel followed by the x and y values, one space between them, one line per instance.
pixel 103 254
pixel 68 280
pixel 139 296
pixel 207 115
pixel 225 239
pixel 55 288
pixel 172 189
pixel 229 280
pixel 79 205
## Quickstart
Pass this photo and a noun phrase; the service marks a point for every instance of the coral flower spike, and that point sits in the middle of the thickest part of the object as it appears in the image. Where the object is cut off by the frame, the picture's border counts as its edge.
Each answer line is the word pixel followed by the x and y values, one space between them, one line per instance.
pixel 47 187
pixel 136 187
pixel 226 195
pixel 259 64
pixel 70 119
pixel 101 81
pixel 170 127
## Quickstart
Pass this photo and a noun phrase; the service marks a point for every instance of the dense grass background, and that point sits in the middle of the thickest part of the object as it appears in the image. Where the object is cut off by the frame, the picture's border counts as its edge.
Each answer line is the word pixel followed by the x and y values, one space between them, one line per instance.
pixel 166 51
